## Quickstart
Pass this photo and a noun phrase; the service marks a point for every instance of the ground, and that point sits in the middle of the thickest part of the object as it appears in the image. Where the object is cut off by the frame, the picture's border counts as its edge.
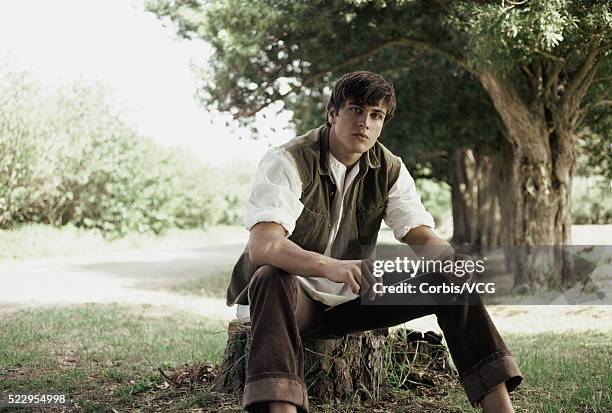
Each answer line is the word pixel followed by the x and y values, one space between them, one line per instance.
pixel 101 327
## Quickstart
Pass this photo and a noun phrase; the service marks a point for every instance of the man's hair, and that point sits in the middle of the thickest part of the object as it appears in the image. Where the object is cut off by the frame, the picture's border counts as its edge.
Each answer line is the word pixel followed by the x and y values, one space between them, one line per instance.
pixel 366 88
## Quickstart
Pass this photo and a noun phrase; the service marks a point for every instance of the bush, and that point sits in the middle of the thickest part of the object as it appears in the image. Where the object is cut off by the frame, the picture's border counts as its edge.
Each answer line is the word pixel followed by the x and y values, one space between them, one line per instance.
pixel 237 188
pixel 591 200
pixel 436 197
pixel 68 157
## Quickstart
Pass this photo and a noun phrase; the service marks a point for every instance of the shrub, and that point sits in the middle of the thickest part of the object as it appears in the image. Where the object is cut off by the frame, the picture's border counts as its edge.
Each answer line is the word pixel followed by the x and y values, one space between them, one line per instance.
pixel 68 157
pixel 436 197
pixel 591 200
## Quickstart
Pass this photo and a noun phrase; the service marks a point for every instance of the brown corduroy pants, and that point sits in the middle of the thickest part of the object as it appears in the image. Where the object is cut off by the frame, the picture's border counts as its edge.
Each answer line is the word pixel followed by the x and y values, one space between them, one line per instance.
pixel 281 313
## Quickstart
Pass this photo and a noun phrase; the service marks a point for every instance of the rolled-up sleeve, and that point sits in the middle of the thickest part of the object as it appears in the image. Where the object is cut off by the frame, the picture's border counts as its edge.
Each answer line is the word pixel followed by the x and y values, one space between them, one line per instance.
pixel 275 196
pixel 404 209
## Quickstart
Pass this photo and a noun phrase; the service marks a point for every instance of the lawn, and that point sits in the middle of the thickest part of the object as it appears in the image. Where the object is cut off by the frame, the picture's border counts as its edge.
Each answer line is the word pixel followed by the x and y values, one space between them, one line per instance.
pixel 102 356
pixel 564 373
pixel 108 357
pixel 213 285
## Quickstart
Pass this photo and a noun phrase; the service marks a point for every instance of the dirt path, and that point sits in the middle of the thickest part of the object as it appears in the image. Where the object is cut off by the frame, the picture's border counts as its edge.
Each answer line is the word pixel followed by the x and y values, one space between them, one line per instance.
pixel 142 277
pixel 135 277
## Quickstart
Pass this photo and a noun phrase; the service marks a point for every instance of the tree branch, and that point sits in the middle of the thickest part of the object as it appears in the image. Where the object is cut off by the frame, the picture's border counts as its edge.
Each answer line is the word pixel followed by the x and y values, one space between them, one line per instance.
pixel 247 113
pixel 552 79
pixel 352 60
pixel 314 77
pixel 602 79
pixel 603 102
pixel 604 47
pixel 516 115
pixel 444 5
pixel 583 71
pixel 579 95
pixel 538 72
pixel 571 107
pixel 460 61
pixel 404 41
pixel 550 56
pixel 530 77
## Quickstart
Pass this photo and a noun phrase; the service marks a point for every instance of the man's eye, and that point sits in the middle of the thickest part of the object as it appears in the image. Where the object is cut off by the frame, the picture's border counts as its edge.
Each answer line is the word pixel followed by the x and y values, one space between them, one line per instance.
pixel 377 115
pixel 356 109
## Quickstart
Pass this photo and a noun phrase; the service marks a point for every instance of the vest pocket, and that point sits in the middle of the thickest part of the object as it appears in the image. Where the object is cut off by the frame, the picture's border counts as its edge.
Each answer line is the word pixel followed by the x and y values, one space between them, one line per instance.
pixel 368 223
pixel 311 231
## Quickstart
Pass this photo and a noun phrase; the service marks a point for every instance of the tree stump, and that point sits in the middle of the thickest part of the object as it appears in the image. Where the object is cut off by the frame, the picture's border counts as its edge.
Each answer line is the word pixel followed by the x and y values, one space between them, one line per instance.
pixel 347 369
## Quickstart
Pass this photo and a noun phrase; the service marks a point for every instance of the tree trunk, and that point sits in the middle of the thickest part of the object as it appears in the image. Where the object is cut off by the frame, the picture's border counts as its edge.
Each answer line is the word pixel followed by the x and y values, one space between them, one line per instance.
pixel 538 167
pixel 489 230
pixel 464 195
pixel 347 369
pixel 475 178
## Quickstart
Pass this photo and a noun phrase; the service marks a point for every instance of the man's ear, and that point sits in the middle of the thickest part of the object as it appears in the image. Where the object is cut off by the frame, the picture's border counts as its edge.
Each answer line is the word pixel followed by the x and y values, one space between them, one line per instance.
pixel 331 116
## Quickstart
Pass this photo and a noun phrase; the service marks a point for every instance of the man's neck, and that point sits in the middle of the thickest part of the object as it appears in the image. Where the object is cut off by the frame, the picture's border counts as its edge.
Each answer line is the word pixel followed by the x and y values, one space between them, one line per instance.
pixel 348 160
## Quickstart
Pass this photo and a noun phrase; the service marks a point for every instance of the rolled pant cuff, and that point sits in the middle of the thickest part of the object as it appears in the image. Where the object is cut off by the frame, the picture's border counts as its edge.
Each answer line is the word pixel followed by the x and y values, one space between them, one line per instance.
pixel 488 373
pixel 279 387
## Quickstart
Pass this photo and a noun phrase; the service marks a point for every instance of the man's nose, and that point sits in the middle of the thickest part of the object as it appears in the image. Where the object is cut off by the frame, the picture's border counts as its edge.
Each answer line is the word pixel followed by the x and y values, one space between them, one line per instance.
pixel 363 122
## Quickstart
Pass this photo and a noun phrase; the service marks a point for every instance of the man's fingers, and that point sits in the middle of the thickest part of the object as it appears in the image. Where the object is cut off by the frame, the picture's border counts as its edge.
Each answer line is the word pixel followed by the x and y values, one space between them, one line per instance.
pixel 365 285
pixel 366 271
pixel 355 286
pixel 352 282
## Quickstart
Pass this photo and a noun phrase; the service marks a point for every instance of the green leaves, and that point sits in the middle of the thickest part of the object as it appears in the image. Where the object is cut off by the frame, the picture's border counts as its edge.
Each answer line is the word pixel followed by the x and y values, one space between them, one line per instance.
pixel 67 157
pixel 506 35
pixel 435 52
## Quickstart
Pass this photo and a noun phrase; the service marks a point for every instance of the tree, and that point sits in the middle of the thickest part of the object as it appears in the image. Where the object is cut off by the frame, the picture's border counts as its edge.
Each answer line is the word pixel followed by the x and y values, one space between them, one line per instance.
pixel 68 157
pixel 544 64
pixel 443 118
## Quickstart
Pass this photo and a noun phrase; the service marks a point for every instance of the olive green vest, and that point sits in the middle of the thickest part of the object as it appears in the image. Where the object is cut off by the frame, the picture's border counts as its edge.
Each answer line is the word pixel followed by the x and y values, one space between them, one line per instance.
pixel 364 209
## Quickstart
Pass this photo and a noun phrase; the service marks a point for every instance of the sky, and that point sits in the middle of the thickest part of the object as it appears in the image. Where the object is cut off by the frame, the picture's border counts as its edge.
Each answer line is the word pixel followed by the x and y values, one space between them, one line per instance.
pixel 149 70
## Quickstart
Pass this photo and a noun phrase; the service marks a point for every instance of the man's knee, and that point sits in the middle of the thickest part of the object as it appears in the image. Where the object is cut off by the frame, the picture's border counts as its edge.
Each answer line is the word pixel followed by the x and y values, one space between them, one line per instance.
pixel 269 278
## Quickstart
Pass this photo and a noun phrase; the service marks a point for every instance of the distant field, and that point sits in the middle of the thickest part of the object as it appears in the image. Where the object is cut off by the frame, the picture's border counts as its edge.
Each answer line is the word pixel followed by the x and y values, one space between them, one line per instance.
pixel 581 234
pixel 37 240
pixel 592 234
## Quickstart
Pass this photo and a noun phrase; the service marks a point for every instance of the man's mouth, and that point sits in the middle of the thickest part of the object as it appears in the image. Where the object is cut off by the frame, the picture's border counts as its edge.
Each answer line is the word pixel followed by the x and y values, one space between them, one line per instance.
pixel 361 136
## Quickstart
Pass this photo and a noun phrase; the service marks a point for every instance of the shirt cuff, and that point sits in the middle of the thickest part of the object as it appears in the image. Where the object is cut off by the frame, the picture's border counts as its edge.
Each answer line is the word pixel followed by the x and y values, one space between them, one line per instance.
pixel 279 216
pixel 400 231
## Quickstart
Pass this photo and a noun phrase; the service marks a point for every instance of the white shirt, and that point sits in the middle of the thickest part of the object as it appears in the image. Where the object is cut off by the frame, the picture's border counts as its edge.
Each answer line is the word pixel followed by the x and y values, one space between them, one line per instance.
pixel 275 197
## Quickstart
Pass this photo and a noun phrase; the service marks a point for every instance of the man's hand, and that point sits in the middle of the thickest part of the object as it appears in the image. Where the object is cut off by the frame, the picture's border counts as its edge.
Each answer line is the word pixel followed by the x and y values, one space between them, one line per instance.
pixel 357 274
pixel 425 243
pixel 268 245
pixel 457 257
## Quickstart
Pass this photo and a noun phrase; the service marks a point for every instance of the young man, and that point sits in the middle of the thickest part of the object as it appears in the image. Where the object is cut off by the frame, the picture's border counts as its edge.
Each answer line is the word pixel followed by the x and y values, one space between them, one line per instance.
pixel 316 202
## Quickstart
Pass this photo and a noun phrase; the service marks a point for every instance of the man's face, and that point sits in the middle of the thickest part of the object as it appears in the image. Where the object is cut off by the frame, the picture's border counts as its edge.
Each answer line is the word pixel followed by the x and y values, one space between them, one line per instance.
pixel 355 129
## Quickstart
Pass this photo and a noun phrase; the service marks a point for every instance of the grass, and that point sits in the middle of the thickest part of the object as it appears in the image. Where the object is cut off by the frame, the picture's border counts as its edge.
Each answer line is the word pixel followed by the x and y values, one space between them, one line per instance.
pixel 101 355
pixel 107 356
pixel 213 285
pixel 39 240
pixel 566 372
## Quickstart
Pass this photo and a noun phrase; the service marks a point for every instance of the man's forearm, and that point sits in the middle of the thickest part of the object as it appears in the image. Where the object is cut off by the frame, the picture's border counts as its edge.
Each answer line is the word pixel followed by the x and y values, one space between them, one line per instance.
pixel 269 247
pixel 425 242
